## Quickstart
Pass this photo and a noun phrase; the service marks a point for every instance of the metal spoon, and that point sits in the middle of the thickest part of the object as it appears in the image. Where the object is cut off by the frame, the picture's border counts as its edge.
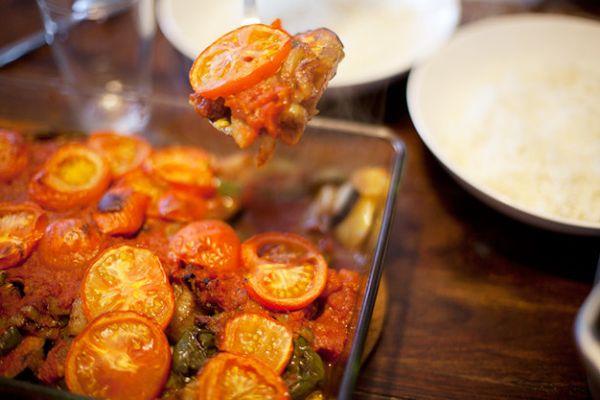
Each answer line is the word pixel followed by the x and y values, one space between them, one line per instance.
pixel 250 13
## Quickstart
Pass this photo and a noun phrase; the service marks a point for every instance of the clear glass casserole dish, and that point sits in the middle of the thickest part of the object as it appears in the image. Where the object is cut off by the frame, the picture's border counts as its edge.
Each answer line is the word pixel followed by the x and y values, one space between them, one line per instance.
pixel 328 148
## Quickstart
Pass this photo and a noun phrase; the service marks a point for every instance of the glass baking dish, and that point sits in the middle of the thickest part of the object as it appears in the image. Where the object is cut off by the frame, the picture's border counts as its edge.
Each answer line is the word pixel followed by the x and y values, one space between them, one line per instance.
pixel 327 147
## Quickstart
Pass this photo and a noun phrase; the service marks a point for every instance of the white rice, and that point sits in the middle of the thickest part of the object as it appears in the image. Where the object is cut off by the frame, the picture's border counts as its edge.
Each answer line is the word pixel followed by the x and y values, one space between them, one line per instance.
pixel 534 137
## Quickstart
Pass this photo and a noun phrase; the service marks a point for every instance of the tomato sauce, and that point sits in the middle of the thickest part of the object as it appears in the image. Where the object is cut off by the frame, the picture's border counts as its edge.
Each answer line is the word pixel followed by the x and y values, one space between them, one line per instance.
pixel 37 295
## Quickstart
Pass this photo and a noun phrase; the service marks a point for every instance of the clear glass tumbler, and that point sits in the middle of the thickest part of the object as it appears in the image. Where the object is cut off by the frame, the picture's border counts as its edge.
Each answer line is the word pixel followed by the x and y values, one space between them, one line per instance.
pixel 104 48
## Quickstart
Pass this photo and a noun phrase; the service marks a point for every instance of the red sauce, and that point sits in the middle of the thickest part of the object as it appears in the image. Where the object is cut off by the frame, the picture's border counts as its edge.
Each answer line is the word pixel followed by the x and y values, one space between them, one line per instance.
pixel 51 290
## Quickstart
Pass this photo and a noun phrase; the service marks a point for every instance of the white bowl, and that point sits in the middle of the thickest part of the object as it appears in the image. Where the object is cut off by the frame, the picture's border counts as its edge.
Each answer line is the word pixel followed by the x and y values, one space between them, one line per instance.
pixel 511 107
pixel 382 38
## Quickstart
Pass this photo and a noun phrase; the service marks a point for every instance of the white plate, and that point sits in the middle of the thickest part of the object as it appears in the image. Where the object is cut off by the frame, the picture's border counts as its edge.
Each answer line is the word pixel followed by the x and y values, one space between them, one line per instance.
pixel 382 38
pixel 511 107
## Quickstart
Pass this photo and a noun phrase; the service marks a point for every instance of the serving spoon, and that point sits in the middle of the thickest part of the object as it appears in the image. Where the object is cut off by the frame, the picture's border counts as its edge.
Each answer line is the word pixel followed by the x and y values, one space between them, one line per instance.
pixel 250 13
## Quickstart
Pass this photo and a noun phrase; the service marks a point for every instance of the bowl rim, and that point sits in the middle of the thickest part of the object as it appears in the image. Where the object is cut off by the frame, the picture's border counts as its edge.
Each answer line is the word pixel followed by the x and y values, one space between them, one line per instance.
pixel 493 198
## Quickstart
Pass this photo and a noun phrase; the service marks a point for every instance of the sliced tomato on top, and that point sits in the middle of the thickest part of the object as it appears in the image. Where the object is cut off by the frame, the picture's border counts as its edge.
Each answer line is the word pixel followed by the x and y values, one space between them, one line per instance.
pixel 70 243
pixel 123 153
pixel 212 244
pixel 119 355
pixel 128 278
pixel 73 176
pixel 230 376
pixel 13 154
pixel 22 225
pixel 187 168
pixel 121 211
pixel 287 272
pixel 239 59
pixel 261 337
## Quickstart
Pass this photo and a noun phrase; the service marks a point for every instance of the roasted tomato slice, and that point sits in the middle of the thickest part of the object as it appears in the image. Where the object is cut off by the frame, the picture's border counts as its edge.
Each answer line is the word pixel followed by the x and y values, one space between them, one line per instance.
pixel 260 337
pixel 119 355
pixel 21 227
pixel 141 182
pixel 128 278
pixel 13 154
pixel 121 211
pixel 123 153
pixel 286 271
pixel 73 176
pixel 228 376
pixel 182 206
pixel 184 167
pixel 70 243
pixel 239 59
pixel 210 243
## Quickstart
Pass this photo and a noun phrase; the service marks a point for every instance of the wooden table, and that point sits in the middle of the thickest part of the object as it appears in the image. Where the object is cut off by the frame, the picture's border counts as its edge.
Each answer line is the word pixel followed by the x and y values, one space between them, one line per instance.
pixel 481 306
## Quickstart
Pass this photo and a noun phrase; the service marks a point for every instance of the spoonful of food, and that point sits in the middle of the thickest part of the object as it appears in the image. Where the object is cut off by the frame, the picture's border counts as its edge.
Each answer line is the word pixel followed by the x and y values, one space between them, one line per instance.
pixel 258 81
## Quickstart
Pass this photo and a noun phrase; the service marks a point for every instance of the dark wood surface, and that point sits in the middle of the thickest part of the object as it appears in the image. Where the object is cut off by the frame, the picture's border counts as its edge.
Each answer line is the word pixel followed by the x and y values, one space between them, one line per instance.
pixel 481 306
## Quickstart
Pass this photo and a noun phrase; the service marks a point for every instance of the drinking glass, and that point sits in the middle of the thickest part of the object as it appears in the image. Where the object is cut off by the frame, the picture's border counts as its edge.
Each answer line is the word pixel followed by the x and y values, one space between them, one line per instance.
pixel 103 49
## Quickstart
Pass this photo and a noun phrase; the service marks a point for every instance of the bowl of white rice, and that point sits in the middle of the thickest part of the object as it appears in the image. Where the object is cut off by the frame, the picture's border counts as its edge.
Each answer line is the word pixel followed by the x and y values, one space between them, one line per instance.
pixel 511 107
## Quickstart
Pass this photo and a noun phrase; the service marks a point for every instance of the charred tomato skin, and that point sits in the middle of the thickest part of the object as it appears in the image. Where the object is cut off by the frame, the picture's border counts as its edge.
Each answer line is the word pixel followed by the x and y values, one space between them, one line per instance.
pixel 121 211
pixel 139 181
